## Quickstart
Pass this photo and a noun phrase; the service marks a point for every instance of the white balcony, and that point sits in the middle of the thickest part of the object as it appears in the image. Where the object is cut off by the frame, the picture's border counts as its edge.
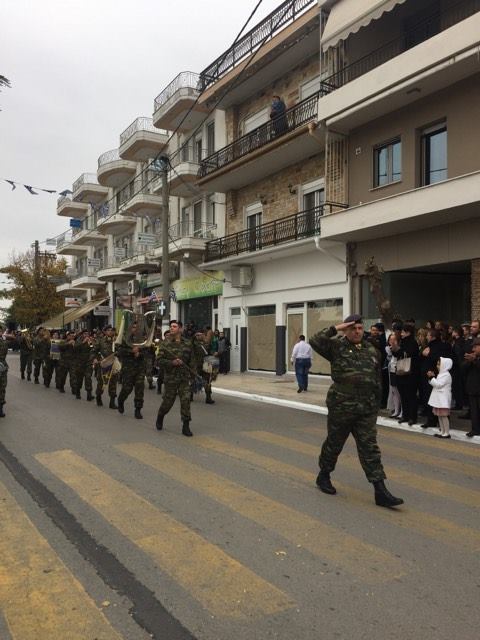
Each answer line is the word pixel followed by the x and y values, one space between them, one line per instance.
pixel 87 189
pixel 87 279
pixel 70 208
pixel 141 141
pixel 434 64
pixel 88 238
pixel 140 258
pixel 445 202
pixel 143 205
pixel 116 224
pixel 175 108
pixel 65 247
pixel 187 237
pixel 113 171
pixel 110 270
pixel 183 174
pixel 69 291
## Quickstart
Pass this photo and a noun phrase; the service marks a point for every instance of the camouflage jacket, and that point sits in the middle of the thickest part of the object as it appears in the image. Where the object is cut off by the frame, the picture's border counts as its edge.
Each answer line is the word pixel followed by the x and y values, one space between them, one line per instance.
pixel 3 349
pixel 66 351
pixel 356 372
pixel 102 347
pixel 126 356
pixel 169 351
pixel 25 346
pixel 82 352
pixel 41 349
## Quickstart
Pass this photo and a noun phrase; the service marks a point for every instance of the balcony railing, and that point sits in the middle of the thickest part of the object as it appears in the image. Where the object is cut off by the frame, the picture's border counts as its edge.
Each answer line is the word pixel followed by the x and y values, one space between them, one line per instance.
pixel 430 25
pixel 184 80
pixel 85 178
pixel 190 229
pixel 187 153
pixel 140 124
pixel 108 156
pixel 64 239
pixel 286 13
pixel 292 119
pixel 295 227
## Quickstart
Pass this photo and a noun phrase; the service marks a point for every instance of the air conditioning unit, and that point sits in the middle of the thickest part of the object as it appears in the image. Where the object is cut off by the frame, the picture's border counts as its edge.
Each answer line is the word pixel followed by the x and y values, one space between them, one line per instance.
pixel 242 276
pixel 133 287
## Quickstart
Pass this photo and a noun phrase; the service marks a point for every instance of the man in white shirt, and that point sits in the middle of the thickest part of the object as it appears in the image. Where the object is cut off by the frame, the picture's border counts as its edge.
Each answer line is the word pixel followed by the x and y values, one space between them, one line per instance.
pixel 302 359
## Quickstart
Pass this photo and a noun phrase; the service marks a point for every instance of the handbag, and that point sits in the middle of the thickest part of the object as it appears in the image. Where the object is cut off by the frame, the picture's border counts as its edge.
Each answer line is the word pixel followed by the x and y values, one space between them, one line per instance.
pixel 404 366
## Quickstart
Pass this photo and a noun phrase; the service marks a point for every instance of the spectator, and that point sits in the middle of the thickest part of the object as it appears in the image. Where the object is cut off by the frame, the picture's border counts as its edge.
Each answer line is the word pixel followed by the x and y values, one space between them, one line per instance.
pixel 458 346
pixel 278 116
pixel 441 397
pixel 394 403
pixel 435 350
pixel 474 329
pixel 408 384
pixel 471 368
pixel 224 346
pixel 302 359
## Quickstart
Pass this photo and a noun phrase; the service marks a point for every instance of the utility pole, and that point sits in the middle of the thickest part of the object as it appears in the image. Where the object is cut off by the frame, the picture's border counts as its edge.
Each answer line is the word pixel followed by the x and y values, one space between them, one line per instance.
pixel 165 164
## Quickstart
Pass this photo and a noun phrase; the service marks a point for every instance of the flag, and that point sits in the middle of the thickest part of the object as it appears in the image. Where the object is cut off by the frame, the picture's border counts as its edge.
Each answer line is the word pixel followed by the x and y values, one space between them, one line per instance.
pixel 30 190
pixel 14 186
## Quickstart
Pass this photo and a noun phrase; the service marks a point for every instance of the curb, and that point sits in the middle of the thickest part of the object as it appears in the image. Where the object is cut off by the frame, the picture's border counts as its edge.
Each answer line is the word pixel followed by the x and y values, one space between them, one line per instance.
pixel 313 408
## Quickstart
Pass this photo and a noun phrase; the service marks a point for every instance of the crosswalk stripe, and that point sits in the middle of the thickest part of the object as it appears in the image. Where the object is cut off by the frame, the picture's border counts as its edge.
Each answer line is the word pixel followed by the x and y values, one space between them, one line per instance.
pixel 366 561
pixel 460 494
pixel 219 582
pixel 426 524
pixel 39 597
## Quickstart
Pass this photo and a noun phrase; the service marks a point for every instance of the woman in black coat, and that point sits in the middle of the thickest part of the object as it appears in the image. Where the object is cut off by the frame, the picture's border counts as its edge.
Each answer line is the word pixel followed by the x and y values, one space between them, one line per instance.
pixel 408 384
pixel 435 350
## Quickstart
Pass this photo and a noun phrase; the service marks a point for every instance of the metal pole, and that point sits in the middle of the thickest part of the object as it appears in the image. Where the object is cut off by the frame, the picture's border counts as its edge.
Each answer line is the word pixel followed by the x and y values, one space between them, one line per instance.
pixel 165 242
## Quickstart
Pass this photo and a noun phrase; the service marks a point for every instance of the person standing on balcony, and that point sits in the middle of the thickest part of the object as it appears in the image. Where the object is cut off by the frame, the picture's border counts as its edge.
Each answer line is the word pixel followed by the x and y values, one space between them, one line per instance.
pixel 278 116
pixel 302 355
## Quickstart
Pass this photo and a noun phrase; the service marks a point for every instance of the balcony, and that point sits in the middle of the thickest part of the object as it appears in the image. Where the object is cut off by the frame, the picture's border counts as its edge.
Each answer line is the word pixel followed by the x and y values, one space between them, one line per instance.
pixel 87 279
pixel 440 50
pixel 141 141
pixel 87 189
pixel 142 205
pixel 277 144
pixel 88 238
pixel 111 271
pixel 188 237
pixel 65 246
pixel 290 229
pixel 140 258
pixel 283 39
pixel 176 107
pixel 115 224
pixel 113 171
pixel 70 208
pixel 182 177
pixel 66 289
pixel 445 202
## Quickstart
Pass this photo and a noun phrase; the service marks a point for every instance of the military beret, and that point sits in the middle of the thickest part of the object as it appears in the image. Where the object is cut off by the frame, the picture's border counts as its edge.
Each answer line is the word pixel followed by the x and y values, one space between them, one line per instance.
pixel 354 318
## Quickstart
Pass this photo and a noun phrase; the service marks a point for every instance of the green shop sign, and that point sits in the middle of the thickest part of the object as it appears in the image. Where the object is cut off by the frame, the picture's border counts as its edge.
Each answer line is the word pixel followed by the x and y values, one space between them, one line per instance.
pixel 201 287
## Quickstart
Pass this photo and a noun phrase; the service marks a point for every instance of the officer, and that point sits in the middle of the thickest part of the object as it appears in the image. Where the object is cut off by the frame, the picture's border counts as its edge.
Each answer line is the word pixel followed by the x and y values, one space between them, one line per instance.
pixel 102 348
pixel 177 359
pixel 133 372
pixel 26 350
pixel 3 373
pixel 353 402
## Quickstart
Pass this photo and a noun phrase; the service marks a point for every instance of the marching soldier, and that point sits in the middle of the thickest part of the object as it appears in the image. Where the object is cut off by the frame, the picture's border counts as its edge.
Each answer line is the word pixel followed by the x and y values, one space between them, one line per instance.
pixel 149 354
pixel 103 348
pixel 133 373
pixel 177 358
pixel 3 374
pixel 207 366
pixel 65 362
pixel 41 352
pixel 26 350
pixel 353 401
pixel 82 365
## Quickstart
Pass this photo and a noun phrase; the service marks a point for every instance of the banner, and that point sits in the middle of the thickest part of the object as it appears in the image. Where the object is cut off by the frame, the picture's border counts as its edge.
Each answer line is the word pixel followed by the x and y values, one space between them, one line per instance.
pixel 72 303
pixel 200 287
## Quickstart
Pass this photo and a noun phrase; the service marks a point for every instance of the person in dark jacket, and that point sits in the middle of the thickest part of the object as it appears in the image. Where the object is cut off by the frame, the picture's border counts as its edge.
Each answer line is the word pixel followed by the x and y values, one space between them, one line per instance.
pixel 435 350
pixel 458 346
pixel 471 368
pixel 407 384
pixel 277 116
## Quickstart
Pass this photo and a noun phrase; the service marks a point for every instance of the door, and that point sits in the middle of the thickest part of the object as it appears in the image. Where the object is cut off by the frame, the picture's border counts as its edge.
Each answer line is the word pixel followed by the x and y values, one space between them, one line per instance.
pixel 295 329
pixel 235 339
pixel 254 221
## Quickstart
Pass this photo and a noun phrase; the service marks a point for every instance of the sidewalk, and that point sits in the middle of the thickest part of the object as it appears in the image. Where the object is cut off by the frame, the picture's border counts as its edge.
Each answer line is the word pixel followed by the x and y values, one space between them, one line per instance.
pixel 282 391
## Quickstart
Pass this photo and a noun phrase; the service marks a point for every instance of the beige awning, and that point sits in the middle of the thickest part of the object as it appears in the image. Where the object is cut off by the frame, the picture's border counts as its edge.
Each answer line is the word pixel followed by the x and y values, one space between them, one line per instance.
pixel 62 319
pixel 348 16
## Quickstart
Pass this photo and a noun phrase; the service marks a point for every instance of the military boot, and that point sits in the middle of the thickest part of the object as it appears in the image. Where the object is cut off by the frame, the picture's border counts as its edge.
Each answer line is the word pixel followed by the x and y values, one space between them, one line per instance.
pixel 121 404
pixel 186 428
pixel 325 484
pixel 383 497
pixel 138 411
pixel 61 389
pixel 78 395
pixel 2 412
pixel 159 423
pixel 208 399
pixel 159 388
pixel 112 404
pixel 89 396
pixel 29 377
pixel 36 381
pixel 99 401
pixel 22 375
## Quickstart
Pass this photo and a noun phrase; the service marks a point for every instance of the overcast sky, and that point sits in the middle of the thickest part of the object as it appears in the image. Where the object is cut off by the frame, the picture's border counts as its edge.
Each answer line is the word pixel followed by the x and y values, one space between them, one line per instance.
pixel 81 72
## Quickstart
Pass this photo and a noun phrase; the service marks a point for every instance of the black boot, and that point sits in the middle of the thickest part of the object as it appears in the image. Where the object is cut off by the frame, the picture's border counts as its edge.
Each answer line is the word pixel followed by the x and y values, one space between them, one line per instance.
pixel 29 377
pixel 159 388
pixel 78 395
pixel 22 375
pixel 383 497
pixel 121 404
pixel 89 396
pixel 36 381
pixel 112 404
pixel 61 389
pixel 186 428
pixel 138 411
pixel 99 401
pixel 2 412
pixel 159 423
pixel 324 483
pixel 209 400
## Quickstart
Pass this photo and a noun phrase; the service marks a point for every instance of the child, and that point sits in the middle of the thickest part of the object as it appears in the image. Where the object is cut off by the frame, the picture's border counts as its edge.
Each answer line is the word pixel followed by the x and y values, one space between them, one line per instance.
pixel 441 396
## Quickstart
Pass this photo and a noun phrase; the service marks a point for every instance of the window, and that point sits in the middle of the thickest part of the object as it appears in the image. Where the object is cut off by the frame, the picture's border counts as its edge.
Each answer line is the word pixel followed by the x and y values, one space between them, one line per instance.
pixel 210 138
pixel 197 218
pixel 211 210
pixel 312 199
pixel 434 154
pixel 185 220
pixel 387 163
pixel 256 120
pixel 309 88
pixel 253 220
pixel 198 150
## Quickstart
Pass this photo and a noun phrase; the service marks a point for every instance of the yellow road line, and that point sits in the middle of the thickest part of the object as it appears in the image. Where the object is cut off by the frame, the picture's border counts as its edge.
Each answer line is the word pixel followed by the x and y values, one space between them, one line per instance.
pixel 220 583
pixel 432 526
pixel 460 494
pixel 40 598
pixel 366 561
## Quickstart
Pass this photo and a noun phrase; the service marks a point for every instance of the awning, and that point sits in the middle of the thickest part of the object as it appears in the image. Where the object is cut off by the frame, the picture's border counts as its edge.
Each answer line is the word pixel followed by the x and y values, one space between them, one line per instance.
pixel 62 319
pixel 348 16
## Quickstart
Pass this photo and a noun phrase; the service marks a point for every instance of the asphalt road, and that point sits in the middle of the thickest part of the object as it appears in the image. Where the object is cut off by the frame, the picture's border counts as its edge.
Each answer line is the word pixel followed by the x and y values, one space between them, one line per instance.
pixel 112 530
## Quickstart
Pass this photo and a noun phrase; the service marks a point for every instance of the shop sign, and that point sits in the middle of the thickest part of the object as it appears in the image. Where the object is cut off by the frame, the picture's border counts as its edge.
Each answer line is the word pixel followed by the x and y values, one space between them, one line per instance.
pixel 93 262
pixel 210 284
pixel 120 252
pixel 75 223
pixel 72 303
pixel 101 310
pixel 147 239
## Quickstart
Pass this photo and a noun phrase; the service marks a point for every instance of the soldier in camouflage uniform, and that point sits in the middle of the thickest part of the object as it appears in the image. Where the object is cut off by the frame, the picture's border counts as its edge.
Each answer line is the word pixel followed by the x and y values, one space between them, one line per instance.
pixel 178 361
pixel 41 352
pixel 133 373
pixel 3 374
pixel 81 371
pixel 102 348
pixel 353 402
pixel 26 350
pixel 66 362
pixel 149 354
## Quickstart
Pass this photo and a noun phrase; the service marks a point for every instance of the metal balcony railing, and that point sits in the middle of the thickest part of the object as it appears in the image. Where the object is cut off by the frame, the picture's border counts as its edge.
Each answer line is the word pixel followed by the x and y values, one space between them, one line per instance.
pixel 286 13
pixel 293 118
pixel 110 262
pixel 295 227
pixel 429 25
pixel 64 239
pixel 139 124
pixel 190 229
pixel 187 153
pixel 85 178
pixel 184 80
pixel 86 272
pixel 108 156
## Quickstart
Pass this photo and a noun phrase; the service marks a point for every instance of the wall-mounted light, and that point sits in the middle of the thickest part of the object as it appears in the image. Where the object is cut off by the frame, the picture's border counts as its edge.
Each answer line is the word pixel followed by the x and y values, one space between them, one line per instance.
pixel 292 189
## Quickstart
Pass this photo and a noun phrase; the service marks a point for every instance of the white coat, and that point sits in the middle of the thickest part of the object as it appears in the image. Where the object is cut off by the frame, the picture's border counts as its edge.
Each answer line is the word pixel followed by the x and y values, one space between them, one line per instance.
pixel 441 396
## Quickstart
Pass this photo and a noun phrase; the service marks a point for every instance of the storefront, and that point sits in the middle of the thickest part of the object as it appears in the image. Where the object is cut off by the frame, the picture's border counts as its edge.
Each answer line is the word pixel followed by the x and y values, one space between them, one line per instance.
pixel 197 298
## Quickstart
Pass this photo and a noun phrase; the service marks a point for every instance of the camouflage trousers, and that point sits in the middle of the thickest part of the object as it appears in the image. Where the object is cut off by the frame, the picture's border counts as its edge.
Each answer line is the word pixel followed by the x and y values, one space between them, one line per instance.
pixel 364 430
pixel 37 366
pixel 26 363
pixel 3 386
pixel 112 383
pixel 49 366
pixel 64 369
pixel 172 389
pixel 81 374
pixel 149 362
pixel 133 379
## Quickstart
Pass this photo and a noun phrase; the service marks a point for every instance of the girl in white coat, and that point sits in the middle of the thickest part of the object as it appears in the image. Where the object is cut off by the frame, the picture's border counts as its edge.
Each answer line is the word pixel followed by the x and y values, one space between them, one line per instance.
pixel 441 395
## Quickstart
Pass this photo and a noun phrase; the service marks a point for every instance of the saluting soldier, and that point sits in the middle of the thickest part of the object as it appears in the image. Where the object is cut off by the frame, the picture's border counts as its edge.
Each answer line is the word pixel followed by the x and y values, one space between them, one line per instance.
pixel 133 372
pixel 102 348
pixel 3 374
pixel 353 401
pixel 25 343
